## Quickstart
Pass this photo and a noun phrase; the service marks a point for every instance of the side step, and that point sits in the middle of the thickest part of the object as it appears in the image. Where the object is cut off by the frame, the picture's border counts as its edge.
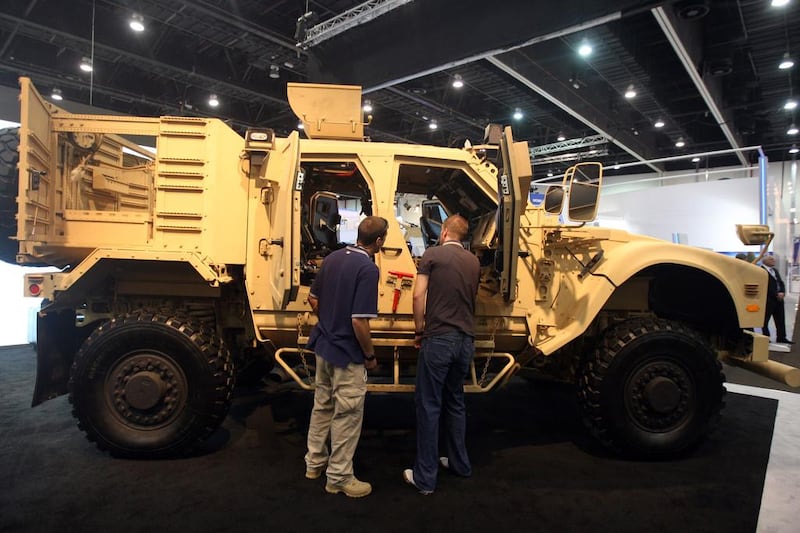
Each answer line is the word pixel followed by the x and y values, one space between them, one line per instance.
pixel 476 381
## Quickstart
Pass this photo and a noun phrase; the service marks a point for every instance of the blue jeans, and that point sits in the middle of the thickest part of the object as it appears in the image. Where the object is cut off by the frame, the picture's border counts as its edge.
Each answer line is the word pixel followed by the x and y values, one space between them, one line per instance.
pixel 441 369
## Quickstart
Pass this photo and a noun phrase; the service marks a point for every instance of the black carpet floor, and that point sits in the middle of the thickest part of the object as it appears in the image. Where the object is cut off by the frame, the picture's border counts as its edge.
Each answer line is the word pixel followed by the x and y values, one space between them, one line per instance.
pixel 534 470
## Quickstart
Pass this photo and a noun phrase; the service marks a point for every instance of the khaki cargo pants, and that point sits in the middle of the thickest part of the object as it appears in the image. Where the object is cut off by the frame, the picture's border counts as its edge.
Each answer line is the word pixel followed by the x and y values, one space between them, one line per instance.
pixel 338 411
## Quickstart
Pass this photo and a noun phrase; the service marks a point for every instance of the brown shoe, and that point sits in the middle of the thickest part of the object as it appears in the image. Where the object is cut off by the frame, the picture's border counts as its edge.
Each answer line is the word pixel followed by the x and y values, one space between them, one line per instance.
pixel 353 488
pixel 314 473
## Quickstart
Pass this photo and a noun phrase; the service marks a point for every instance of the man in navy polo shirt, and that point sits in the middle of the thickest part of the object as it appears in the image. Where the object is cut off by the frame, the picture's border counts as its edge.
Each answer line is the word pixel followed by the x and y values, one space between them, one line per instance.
pixel 344 296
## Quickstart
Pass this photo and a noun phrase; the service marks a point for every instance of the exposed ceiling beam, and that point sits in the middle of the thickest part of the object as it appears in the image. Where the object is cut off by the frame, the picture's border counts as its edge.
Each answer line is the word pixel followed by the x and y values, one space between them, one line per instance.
pixel 495 51
pixel 50 35
pixel 223 15
pixel 351 18
pixel 568 144
pixel 549 87
pixel 708 88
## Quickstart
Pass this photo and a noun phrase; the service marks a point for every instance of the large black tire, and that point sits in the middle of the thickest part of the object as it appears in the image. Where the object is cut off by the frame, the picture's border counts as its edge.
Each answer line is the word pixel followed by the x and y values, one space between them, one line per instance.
pixel 653 388
pixel 146 385
pixel 9 141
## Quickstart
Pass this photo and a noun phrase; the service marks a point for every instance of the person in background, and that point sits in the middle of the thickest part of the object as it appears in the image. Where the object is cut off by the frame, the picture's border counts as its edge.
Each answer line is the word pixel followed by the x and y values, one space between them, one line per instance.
pixel 444 309
pixel 344 296
pixel 776 290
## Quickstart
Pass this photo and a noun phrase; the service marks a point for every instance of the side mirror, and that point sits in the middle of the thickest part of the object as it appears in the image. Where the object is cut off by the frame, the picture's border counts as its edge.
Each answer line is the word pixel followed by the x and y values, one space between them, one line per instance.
pixel 554 199
pixel 751 234
pixel 584 190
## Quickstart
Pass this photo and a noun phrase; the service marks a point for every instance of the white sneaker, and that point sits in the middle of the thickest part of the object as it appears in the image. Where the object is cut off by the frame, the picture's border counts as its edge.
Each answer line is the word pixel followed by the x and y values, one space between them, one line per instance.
pixel 408 477
pixel 445 462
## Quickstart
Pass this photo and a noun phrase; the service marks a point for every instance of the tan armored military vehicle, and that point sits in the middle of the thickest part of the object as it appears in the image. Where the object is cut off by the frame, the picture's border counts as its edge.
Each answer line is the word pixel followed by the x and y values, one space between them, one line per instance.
pixel 179 266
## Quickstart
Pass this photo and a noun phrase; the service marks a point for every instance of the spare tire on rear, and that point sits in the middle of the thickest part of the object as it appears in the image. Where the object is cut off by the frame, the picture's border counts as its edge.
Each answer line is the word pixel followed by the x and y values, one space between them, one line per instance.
pixel 9 180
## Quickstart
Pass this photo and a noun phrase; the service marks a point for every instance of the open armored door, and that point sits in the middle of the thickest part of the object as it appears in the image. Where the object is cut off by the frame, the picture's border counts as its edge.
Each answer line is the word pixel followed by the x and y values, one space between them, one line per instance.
pixel 430 222
pixel 513 184
pixel 280 248
pixel 38 176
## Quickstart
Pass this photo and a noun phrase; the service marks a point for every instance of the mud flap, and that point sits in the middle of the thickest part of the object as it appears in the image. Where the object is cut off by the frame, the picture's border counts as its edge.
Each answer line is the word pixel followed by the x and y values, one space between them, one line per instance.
pixel 56 344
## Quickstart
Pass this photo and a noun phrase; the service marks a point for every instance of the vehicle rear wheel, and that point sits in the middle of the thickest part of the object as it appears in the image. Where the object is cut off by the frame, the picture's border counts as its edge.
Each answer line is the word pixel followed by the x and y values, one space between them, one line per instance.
pixel 9 141
pixel 147 385
pixel 653 388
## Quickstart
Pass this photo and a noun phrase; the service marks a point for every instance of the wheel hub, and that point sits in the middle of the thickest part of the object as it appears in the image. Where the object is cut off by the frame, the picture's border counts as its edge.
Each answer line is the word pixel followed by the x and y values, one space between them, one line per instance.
pixel 659 396
pixel 662 394
pixel 146 389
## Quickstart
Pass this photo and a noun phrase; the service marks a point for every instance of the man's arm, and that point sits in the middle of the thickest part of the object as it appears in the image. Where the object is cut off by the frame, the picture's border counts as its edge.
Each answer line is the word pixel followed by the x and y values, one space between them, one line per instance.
pixel 313 301
pixel 364 337
pixel 420 296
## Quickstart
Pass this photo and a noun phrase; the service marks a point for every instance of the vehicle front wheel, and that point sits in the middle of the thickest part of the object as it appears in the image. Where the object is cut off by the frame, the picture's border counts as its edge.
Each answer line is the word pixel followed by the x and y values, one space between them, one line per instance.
pixel 653 388
pixel 147 385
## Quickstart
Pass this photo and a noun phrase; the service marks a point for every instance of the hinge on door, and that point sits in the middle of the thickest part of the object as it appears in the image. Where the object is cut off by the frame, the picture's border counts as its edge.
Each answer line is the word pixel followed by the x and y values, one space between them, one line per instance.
pixel 301 176
pixel 266 195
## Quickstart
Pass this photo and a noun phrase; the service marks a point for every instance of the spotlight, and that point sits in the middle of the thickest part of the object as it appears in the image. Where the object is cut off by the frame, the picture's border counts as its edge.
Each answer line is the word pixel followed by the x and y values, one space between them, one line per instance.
pixel 794 149
pixel 585 49
pixel 274 72
pixel 458 82
pixel 213 101
pixel 367 107
pixel 695 160
pixel 433 125
pixel 136 23
pixel 549 173
pixel 56 94
pixel 517 113
pixel 786 62
pixel 659 123
pixel 792 130
pixel 790 104
pixel 680 143
pixel 779 3
pixel 561 137
pixel 630 92
pixel 86 64
pixel 301 126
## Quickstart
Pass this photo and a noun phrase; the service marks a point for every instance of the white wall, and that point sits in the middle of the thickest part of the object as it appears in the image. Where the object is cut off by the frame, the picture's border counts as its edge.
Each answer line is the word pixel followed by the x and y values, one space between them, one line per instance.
pixel 15 308
pixel 706 212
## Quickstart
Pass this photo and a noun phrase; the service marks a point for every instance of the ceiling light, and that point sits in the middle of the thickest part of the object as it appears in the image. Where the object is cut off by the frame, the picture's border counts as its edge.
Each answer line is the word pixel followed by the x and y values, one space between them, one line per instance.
pixel 213 101
pixel 457 81
pixel 274 71
pixel 585 49
pixel 433 125
pixel 517 113
pixel 616 166
pixel 786 62
pixel 86 64
pixel 561 137
pixel 630 92
pixel 680 143
pixel 549 173
pixel 288 64
pixel 136 23
pixel 56 94
pixel 301 126
pixel 367 107
pixel 658 123
pixel 790 104
pixel 792 130
pixel 794 149
pixel 695 160
pixel 779 3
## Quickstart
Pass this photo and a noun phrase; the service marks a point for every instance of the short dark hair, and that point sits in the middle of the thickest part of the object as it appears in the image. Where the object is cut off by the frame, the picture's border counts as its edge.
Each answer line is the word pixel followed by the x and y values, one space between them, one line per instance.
pixel 370 229
pixel 457 226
